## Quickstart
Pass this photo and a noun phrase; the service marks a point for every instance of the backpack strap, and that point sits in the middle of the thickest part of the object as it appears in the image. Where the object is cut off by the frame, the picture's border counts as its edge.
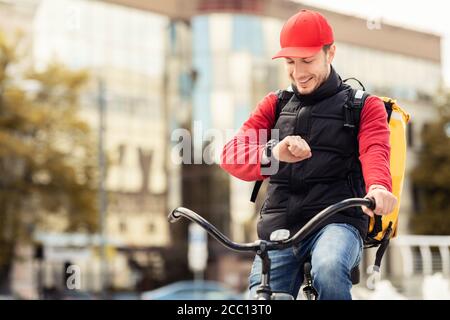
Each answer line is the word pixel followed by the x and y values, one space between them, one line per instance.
pixel 388 103
pixel 352 117
pixel 384 243
pixel 255 190
pixel 353 109
pixel 283 97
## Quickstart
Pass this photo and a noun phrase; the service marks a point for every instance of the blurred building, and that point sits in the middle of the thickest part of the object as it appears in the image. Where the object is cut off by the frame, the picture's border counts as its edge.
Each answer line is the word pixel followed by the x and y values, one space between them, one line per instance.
pixel 16 21
pixel 17 16
pixel 203 64
pixel 124 50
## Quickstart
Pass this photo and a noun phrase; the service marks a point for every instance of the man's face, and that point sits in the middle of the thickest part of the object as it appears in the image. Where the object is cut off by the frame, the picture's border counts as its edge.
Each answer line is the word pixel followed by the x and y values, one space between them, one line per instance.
pixel 309 73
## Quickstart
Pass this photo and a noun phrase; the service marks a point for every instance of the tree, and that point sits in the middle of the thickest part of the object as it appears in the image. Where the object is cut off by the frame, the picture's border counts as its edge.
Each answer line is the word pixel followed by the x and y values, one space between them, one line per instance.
pixel 47 154
pixel 432 174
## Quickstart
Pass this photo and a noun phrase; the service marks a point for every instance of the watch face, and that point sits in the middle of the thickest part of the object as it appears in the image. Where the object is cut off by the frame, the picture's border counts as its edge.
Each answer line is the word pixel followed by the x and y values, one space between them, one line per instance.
pixel 272 144
pixel 269 150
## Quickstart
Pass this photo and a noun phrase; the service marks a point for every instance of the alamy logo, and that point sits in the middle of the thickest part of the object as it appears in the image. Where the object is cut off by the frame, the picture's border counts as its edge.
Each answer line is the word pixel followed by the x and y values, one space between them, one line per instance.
pixel 73 281
pixel 206 145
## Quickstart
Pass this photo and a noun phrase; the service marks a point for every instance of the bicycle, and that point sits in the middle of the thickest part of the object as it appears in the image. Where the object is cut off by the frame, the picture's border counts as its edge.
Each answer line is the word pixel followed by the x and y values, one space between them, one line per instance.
pixel 279 239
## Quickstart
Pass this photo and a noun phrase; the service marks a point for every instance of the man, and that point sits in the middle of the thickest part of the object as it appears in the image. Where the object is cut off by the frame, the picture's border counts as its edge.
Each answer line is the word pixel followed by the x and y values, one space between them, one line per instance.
pixel 319 161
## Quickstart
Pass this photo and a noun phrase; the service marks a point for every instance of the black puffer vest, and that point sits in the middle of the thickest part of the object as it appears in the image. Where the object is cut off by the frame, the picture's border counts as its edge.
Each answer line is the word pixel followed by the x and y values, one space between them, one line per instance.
pixel 298 191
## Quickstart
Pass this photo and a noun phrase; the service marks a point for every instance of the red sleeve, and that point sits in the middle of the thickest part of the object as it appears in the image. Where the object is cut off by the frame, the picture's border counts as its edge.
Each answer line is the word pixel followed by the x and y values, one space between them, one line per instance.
pixel 241 156
pixel 374 146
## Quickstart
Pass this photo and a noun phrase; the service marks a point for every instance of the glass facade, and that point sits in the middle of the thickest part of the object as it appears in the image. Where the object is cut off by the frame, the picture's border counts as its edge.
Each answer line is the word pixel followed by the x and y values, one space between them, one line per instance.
pixel 125 49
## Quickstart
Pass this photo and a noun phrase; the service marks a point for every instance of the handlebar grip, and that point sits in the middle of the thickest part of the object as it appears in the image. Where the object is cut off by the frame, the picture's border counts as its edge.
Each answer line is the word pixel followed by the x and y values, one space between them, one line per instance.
pixel 173 217
pixel 372 205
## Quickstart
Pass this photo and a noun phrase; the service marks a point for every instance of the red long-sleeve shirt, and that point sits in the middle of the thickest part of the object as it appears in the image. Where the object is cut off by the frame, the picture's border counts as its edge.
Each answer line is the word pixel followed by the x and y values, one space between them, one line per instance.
pixel 374 148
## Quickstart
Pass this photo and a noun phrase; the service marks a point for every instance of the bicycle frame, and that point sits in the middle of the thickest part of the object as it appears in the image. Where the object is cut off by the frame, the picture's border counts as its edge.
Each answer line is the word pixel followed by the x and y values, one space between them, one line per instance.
pixel 262 247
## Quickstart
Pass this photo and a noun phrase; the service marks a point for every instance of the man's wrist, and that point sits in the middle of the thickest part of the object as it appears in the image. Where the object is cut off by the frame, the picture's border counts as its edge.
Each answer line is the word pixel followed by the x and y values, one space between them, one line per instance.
pixel 377 186
pixel 264 159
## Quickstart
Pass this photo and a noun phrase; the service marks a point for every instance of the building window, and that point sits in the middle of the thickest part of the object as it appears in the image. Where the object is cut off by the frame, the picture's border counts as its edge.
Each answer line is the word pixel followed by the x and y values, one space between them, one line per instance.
pixel 123 226
pixel 410 134
pixel 415 195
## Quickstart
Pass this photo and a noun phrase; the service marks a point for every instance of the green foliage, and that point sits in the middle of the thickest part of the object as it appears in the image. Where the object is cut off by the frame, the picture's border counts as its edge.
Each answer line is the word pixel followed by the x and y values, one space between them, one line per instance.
pixel 47 153
pixel 432 174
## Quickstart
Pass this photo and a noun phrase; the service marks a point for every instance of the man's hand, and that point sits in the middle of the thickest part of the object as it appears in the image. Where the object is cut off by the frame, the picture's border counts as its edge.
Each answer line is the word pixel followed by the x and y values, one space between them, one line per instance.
pixel 384 200
pixel 292 149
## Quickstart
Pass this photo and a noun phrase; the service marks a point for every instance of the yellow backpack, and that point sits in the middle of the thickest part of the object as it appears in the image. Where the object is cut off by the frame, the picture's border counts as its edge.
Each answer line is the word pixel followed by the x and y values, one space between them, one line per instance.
pixel 382 228
pixel 397 126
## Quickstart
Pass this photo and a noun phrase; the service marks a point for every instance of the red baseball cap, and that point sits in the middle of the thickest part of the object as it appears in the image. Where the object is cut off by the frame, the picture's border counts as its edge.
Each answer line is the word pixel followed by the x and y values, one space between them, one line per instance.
pixel 304 34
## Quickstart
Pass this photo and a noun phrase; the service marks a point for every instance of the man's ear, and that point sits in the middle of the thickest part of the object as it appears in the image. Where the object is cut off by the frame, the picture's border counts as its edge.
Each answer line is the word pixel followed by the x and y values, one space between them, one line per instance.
pixel 330 54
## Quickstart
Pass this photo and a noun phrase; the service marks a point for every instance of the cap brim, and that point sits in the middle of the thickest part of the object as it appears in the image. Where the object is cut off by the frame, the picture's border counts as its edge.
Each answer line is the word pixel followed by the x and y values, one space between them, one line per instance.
pixel 297 52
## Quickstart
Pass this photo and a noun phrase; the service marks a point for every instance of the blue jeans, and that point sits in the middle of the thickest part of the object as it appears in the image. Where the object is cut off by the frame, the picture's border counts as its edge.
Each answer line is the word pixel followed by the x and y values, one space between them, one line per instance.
pixel 335 250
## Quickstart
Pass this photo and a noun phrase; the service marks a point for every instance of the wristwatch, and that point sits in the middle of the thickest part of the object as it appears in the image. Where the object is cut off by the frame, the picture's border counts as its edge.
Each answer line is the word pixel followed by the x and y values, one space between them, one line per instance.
pixel 267 157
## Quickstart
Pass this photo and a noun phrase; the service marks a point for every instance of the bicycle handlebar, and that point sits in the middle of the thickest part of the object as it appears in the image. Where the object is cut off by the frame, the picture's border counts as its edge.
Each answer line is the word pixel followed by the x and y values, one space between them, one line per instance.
pixel 179 212
pixel 212 230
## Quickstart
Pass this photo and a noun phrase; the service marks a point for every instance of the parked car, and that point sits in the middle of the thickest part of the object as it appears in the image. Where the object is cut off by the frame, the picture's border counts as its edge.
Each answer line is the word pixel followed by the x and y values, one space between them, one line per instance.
pixel 193 290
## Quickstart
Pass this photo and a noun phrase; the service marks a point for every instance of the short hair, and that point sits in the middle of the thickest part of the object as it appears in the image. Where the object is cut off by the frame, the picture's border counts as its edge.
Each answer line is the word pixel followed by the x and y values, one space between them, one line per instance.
pixel 327 47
